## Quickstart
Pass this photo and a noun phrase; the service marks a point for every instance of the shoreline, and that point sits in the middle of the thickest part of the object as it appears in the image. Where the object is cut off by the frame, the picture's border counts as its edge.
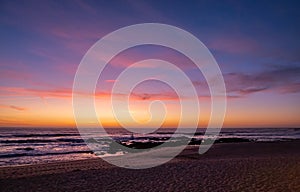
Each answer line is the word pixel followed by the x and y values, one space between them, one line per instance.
pixel 34 146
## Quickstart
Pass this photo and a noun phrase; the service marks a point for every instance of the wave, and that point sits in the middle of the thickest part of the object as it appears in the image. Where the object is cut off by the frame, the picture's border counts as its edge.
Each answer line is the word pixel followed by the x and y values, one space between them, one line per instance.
pixel 11 155
pixel 47 135
pixel 44 140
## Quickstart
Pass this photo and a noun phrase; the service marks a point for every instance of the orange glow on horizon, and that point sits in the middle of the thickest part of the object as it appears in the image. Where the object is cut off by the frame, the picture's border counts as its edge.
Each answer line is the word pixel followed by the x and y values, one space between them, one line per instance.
pixel 57 112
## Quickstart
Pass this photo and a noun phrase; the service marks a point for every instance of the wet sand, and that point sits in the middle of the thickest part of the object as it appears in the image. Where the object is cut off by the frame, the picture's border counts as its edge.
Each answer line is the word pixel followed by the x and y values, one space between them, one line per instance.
pixel 225 167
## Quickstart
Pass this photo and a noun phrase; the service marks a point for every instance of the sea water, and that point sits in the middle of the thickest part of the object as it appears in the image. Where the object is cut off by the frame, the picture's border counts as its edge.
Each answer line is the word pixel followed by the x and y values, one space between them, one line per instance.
pixel 20 146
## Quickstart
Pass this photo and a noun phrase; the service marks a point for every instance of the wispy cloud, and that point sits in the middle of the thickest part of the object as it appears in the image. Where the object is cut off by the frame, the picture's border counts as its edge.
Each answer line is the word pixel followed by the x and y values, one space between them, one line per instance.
pixel 111 80
pixel 283 79
pixel 10 74
pixel 13 107
pixel 19 91
pixel 155 96
pixel 67 94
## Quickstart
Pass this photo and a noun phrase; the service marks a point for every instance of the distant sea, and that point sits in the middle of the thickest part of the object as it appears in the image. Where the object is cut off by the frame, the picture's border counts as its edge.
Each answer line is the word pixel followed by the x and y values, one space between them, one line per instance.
pixel 20 146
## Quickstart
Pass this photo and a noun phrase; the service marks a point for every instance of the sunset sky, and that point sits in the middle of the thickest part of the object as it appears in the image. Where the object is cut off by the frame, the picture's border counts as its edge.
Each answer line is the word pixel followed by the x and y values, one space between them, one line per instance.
pixel 255 43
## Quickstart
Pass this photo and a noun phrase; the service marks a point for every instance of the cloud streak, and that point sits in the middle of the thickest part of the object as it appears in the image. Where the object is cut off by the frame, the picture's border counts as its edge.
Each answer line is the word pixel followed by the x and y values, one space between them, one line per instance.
pixel 283 79
pixel 13 107
pixel 67 94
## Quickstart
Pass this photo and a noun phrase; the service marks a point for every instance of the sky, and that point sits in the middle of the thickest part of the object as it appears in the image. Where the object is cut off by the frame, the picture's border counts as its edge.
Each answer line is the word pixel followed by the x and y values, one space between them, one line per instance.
pixel 255 43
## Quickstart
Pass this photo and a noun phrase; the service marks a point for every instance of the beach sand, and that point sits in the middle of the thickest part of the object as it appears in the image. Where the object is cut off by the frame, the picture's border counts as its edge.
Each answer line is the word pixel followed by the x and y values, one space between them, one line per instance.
pixel 225 167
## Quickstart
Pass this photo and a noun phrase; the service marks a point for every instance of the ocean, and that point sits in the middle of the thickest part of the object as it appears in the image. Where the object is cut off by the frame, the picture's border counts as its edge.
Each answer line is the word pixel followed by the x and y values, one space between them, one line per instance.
pixel 19 146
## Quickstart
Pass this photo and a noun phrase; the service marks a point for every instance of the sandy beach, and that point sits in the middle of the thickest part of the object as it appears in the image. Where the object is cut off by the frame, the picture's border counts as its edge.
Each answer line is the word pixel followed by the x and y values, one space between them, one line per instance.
pixel 225 167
